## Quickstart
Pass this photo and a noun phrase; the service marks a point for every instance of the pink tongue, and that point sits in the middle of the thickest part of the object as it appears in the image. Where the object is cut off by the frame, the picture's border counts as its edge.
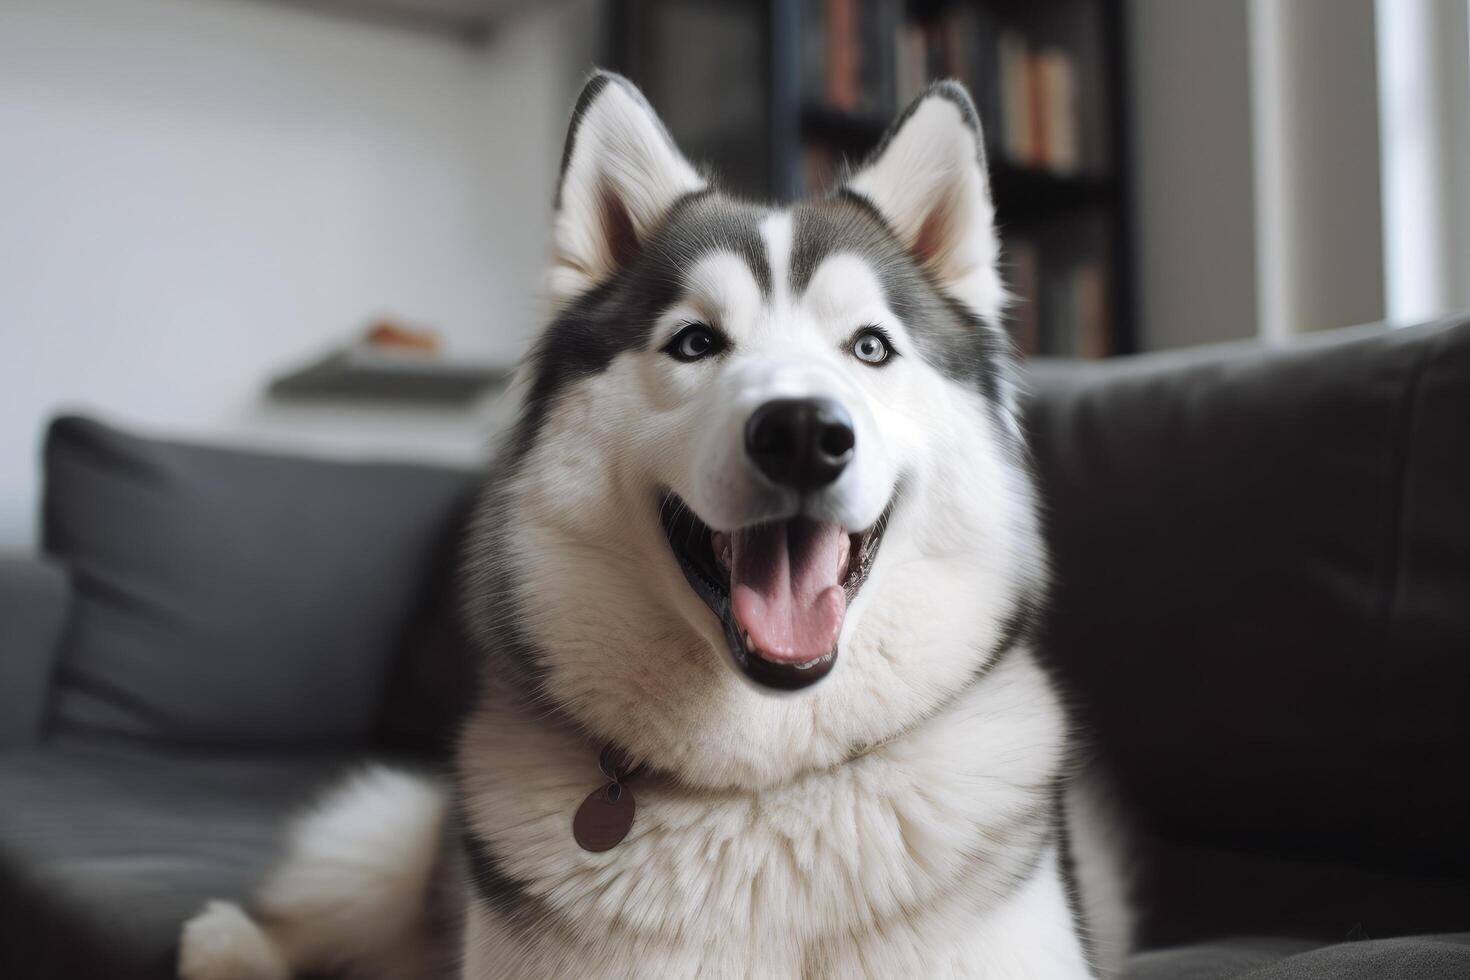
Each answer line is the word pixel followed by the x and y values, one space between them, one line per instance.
pixel 784 588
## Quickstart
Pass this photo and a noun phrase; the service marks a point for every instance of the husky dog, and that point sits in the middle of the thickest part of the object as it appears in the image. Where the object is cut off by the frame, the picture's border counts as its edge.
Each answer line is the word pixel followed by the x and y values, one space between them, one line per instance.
pixel 763 531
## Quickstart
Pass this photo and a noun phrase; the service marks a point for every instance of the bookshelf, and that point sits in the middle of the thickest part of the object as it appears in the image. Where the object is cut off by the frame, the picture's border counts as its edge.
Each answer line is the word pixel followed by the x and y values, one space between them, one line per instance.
pixel 779 96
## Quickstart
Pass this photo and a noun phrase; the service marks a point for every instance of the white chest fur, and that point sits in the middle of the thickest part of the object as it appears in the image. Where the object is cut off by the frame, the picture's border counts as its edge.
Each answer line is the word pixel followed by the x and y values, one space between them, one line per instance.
pixel 931 855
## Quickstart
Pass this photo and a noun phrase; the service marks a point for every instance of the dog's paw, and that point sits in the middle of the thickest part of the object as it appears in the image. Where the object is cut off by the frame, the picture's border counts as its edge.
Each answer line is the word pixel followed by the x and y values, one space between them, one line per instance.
pixel 223 943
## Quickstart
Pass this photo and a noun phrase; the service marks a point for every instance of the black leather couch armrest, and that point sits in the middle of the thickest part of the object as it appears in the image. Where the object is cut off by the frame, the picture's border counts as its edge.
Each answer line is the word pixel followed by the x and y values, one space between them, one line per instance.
pixel 34 596
pixel 1261 611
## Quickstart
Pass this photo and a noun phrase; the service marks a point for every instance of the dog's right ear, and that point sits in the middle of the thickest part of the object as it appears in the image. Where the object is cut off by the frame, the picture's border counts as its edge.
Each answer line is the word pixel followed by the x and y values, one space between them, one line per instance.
pixel 620 175
pixel 928 180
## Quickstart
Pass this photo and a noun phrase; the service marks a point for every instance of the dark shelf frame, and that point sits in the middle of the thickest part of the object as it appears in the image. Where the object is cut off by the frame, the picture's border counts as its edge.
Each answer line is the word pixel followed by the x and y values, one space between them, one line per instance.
pixel 1115 43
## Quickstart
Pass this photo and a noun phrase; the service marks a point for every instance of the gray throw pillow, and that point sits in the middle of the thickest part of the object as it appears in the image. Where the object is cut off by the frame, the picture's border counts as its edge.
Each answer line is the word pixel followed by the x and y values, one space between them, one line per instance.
pixel 234 598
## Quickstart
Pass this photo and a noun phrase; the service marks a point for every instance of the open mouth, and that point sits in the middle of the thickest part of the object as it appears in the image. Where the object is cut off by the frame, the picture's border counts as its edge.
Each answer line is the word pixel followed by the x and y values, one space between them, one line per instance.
pixel 781 589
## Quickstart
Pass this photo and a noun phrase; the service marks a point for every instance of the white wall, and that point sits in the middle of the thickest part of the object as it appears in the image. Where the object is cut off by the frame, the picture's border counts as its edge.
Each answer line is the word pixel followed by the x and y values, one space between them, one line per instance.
pixel 195 194
pixel 1256 168
pixel 1319 217
pixel 1193 184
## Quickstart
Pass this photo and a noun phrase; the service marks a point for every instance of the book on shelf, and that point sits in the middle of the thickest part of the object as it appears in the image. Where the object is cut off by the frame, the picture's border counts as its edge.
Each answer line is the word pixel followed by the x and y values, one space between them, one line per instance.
pixel 848 53
pixel 1058 147
pixel 842 56
pixel 1015 117
pixel 1094 327
pixel 1060 308
pixel 1039 116
pixel 911 61
pixel 1024 274
pixel 821 166
pixel 1039 104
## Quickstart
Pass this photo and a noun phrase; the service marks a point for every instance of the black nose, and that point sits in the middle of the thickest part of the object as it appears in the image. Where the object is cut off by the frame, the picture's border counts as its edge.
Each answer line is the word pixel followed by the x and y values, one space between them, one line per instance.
pixel 801 443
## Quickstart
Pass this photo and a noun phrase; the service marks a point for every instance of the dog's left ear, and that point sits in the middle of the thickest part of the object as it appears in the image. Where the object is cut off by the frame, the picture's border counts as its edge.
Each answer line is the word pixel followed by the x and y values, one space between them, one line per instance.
pixel 927 178
pixel 620 175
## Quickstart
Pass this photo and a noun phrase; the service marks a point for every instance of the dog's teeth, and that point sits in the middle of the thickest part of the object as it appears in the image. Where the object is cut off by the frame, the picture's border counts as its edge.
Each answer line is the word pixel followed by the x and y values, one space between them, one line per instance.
pixel 720 542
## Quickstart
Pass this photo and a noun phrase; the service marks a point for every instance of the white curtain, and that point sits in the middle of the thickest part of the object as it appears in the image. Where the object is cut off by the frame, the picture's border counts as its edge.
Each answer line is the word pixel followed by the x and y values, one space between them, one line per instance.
pixel 1319 225
pixel 1424 98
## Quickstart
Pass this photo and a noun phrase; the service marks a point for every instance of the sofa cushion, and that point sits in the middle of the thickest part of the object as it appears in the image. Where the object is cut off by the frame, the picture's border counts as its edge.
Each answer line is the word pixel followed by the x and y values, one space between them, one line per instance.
pixel 106 851
pixel 235 598
pixel 1262 607
pixel 34 596
pixel 1414 958
pixel 1189 891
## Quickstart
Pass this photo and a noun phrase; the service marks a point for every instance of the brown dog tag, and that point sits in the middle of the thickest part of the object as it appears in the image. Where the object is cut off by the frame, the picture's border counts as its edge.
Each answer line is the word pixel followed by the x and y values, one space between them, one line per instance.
pixel 604 818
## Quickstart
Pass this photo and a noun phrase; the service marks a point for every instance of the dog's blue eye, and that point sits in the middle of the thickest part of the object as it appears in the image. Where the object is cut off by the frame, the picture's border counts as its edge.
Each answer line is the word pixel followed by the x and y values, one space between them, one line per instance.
pixel 871 346
pixel 694 342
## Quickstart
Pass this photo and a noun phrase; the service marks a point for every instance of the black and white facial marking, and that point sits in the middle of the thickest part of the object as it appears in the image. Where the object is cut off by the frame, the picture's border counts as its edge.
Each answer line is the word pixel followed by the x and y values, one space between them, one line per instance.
pixel 927 234
pixel 749 401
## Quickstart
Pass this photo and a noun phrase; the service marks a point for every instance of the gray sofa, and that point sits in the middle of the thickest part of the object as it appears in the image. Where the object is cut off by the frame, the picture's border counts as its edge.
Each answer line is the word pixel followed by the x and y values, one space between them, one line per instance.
pixel 209 639
pixel 1262 612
